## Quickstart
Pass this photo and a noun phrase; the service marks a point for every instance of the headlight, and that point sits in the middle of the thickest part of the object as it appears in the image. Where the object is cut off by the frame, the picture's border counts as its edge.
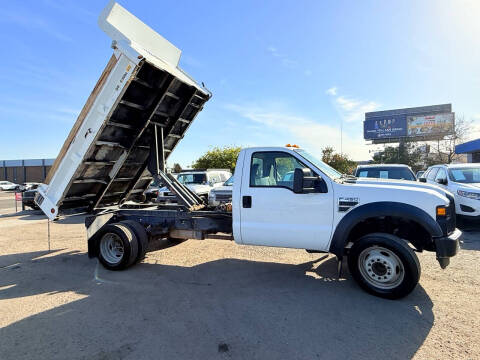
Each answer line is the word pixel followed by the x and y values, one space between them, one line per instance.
pixel 211 195
pixel 468 194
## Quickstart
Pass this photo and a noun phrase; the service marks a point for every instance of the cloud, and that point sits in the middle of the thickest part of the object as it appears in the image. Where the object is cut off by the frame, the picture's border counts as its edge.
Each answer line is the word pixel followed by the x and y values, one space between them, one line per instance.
pixel 35 23
pixel 284 59
pixel 273 50
pixel 288 127
pixel 37 111
pixel 332 91
pixel 351 109
pixel 190 61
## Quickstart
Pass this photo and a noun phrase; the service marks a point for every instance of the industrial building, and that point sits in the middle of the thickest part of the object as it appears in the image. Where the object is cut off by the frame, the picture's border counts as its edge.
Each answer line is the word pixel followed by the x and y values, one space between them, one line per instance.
pixel 22 171
pixel 471 149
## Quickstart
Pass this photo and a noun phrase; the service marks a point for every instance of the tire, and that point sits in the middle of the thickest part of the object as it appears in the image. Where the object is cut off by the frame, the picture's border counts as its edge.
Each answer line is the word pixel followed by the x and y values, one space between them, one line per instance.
pixel 117 246
pixel 141 235
pixel 384 265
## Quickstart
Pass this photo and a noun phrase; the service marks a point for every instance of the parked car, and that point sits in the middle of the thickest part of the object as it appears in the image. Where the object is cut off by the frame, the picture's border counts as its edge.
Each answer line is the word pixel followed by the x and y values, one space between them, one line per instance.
pixel 151 194
pixel 221 194
pixel 7 185
pixel 419 174
pixel 463 181
pixel 31 185
pixel 199 181
pixel 28 196
pixel 386 171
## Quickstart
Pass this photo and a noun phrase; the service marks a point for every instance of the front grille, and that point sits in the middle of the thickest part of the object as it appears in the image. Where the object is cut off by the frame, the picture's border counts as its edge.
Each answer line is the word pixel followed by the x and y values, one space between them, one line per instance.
pixel 223 197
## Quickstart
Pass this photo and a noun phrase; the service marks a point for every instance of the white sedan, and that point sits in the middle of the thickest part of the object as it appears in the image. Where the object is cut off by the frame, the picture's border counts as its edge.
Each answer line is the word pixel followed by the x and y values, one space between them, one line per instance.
pixel 7 185
pixel 462 180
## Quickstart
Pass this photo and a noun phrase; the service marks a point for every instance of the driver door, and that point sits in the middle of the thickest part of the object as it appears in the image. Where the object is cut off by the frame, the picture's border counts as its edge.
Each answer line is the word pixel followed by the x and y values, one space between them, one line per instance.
pixel 272 214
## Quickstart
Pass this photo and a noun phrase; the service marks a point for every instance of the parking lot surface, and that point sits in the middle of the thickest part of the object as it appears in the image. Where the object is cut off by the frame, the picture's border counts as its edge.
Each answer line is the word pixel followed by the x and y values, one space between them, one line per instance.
pixel 213 299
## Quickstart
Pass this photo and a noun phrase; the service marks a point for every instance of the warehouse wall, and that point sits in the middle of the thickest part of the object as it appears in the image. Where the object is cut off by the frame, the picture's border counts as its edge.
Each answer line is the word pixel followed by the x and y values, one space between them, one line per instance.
pixel 22 171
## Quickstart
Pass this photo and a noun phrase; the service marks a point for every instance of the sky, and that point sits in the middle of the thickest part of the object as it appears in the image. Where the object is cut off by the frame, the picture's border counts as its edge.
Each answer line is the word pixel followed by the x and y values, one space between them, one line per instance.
pixel 280 71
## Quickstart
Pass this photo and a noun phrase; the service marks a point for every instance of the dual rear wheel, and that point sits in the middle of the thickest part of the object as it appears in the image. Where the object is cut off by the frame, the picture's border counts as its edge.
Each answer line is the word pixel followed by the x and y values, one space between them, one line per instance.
pixel 122 244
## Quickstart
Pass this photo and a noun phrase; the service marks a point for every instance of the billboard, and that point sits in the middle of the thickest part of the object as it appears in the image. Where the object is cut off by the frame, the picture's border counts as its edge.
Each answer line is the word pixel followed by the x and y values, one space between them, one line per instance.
pixel 425 122
pixel 393 126
pixel 430 125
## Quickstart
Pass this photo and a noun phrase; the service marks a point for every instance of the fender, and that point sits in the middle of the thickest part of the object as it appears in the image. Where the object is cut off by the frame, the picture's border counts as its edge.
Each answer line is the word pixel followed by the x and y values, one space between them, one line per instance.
pixel 383 208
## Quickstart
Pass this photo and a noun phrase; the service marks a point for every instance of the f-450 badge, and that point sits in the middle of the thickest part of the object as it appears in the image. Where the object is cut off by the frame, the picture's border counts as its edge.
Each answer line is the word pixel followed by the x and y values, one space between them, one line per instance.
pixel 346 203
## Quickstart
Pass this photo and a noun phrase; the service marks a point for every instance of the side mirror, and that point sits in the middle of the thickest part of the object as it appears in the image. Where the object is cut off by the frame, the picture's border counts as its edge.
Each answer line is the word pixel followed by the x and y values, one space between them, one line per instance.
pixel 442 181
pixel 305 182
pixel 422 179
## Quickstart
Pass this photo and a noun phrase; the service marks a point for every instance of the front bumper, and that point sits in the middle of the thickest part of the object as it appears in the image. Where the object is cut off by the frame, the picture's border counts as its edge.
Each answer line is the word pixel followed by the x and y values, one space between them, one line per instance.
pixel 467 207
pixel 446 247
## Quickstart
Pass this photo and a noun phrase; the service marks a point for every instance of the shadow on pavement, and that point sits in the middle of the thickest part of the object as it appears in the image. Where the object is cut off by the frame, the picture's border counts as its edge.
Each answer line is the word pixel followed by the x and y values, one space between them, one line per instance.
pixel 29 215
pixel 229 307
pixel 471 234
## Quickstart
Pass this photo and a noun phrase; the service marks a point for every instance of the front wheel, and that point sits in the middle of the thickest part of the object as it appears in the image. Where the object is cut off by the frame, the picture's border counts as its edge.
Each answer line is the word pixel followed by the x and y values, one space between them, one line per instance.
pixel 384 265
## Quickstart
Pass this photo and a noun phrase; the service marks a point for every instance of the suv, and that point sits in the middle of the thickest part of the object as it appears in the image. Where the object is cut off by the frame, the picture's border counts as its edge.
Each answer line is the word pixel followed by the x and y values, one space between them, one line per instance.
pixel 463 181
pixel 386 171
pixel 199 181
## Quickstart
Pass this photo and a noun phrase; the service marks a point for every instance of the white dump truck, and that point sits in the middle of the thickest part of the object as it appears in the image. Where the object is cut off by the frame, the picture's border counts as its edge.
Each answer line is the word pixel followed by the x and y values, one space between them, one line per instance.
pixel 282 196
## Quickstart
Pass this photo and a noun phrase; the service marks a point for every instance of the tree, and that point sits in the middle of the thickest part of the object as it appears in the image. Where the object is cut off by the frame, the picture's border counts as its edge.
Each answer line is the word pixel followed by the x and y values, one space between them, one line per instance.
pixel 176 168
pixel 218 158
pixel 405 153
pixel 339 162
pixel 444 150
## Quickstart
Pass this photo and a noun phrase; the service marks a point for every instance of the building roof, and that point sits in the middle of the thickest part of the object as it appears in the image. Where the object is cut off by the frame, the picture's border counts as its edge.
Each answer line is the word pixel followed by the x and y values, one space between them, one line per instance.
pixel 468 147
pixel 26 162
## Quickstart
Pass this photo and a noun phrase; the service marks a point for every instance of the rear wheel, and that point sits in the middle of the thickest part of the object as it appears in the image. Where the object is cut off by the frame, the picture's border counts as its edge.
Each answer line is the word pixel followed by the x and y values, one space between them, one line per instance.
pixel 118 246
pixel 384 265
pixel 141 235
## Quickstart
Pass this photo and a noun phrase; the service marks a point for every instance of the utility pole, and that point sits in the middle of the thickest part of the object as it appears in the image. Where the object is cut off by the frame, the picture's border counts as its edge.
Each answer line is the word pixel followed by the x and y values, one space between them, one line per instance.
pixel 341 136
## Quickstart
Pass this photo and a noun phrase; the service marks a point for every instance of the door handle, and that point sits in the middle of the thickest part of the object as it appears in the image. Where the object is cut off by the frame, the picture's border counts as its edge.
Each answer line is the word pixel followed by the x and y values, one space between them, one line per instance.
pixel 247 201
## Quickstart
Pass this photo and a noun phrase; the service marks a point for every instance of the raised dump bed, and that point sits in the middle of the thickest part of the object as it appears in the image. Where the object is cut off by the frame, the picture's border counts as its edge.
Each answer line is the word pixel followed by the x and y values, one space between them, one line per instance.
pixel 142 91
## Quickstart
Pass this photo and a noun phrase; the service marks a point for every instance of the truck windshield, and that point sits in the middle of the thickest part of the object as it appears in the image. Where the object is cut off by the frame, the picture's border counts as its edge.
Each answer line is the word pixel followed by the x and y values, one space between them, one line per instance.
pixel 465 175
pixel 385 172
pixel 229 182
pixel 192 178
pixel 326 169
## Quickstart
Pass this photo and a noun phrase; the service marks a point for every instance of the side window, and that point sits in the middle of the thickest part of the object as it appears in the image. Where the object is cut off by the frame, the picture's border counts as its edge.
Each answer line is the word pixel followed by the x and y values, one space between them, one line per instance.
pixel 442 174
pixel 363 174
pixel 273 169
pixel 432 173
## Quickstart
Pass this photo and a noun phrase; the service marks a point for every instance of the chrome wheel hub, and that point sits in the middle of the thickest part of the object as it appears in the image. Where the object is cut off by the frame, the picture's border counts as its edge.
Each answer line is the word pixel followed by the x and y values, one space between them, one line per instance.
pixel 381 267
pixel 111 248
